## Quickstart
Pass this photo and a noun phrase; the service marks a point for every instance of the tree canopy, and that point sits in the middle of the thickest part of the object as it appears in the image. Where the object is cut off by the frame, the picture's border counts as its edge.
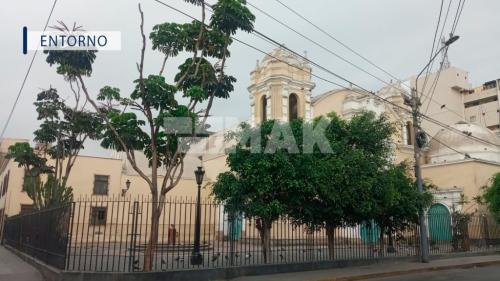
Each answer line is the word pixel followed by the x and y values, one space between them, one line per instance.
pixel 492 196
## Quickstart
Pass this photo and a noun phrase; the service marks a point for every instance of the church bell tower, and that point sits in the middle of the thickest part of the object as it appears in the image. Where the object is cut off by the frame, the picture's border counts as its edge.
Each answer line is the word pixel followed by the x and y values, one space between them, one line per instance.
pixel 281 88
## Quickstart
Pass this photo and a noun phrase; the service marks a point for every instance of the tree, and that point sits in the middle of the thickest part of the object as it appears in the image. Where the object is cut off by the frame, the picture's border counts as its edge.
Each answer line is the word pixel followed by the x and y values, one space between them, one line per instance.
pixel 339 191
pixel 64 129
pixel 51 193
pixel 492 196
pixel 137 122
pixel 48 194
pixel 25 156
pixel 396 201
pixel 263 181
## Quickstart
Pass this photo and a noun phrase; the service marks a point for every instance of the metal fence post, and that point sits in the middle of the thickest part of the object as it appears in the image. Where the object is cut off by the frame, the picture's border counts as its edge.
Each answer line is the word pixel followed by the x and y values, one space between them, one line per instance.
pixel 231 237
pixel 133 236
pixel 69 234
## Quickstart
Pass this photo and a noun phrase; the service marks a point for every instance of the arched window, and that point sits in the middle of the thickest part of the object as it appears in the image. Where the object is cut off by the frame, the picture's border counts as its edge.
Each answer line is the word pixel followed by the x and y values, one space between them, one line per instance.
pixel 263 108
pixel 409 135
pixel 292 107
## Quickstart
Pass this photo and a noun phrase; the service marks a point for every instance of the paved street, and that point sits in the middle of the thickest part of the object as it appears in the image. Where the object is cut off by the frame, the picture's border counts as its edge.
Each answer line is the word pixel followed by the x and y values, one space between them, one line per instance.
pixel 490 273
pixel 401 270
pixel 12 268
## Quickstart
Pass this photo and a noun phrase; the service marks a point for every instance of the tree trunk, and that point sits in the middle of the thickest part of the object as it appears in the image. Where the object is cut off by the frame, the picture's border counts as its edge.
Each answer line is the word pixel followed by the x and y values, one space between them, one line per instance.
pixel 330 234
pixel 390 247
pixel 153 237
pixel 381 241
pixel 265 238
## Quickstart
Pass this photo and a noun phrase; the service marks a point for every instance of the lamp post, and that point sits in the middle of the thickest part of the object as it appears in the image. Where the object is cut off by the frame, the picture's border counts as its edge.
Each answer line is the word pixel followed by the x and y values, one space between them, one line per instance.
pixel 418 143
pixel 196 257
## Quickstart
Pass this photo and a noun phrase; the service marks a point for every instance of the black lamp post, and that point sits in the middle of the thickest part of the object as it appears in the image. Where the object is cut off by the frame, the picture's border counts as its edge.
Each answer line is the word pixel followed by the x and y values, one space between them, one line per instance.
pixel 196 257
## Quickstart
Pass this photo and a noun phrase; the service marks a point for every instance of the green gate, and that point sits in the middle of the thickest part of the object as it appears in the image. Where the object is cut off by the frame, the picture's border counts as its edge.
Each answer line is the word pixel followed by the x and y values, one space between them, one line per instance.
pixel 369 232
pixel 439 223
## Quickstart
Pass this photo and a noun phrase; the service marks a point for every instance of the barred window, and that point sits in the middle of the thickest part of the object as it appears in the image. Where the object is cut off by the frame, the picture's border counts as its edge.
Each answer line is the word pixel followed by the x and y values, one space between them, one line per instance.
pixel 98 215
pixel 101 185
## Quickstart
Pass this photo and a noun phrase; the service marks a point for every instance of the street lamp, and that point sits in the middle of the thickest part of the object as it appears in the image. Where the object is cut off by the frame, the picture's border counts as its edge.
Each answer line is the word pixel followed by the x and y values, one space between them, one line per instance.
pixel 124 190
pixel 417 146
pixel 196 257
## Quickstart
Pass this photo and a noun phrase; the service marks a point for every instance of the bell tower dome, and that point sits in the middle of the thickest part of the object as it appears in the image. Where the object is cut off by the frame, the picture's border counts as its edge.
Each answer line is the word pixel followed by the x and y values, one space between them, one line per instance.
pixel 281 88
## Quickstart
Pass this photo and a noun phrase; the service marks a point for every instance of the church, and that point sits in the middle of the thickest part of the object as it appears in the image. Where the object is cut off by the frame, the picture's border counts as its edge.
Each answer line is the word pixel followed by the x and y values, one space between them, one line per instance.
pixel 459 166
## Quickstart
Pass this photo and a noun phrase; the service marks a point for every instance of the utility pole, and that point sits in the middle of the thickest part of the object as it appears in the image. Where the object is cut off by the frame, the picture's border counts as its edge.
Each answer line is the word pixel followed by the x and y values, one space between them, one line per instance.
pixel 415 104
pixel 418 143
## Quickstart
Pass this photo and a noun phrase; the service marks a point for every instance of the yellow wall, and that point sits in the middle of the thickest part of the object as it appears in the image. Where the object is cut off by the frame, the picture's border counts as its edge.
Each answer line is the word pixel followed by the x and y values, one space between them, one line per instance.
pixel 471 175
pixel 332 102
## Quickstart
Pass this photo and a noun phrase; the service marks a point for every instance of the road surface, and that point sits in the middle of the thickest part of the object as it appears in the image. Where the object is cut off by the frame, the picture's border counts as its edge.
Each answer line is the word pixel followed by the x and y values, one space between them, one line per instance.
pixel 490 273
pixel 12 268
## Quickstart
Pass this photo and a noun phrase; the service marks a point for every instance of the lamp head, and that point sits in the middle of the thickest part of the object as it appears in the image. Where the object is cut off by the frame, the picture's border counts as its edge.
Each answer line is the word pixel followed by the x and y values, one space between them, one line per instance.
pixel 199 173
pixel 451 40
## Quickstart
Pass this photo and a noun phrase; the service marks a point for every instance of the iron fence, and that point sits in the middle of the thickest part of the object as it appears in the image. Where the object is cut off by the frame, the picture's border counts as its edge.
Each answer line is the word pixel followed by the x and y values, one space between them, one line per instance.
pixel 43 234
pixel 110 235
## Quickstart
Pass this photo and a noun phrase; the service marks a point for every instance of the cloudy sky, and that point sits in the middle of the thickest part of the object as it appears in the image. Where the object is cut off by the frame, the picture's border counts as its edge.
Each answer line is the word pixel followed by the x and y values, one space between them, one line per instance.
pixel 396 35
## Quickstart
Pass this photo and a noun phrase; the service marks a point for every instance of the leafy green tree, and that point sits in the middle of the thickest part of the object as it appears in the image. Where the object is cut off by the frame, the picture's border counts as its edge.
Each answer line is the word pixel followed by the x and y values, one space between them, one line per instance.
pixel 25 156
pixel 396 201
pixel 263 179
pixel 51 193
pixel 339 190
pixel 64 129
pixel 137 122
pixel 492 196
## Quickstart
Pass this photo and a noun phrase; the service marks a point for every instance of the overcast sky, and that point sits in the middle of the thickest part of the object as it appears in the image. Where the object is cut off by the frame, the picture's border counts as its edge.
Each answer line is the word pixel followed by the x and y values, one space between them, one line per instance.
pixel 397 35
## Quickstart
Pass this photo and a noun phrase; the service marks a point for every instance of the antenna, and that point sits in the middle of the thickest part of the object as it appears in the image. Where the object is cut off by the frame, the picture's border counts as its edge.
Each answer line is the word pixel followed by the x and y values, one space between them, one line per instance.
pixel 445 61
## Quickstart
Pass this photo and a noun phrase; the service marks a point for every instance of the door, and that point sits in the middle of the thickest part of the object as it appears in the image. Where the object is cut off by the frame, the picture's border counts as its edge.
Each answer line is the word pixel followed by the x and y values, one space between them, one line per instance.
pixel 439 223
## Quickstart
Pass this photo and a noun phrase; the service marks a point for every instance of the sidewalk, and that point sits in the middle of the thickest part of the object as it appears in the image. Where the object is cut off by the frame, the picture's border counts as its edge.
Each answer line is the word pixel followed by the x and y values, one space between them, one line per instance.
pixel 12 268
pixel 383 269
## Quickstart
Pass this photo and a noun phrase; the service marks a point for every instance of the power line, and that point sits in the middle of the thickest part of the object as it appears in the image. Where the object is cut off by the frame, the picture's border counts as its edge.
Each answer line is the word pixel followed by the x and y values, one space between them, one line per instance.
pixel 455 24
pixel 432 49
pixel 26 76
pixel 267 38
pixel 458 15
pixel 337 40
pixel 448 146
pixel 317 44
pixel 314 42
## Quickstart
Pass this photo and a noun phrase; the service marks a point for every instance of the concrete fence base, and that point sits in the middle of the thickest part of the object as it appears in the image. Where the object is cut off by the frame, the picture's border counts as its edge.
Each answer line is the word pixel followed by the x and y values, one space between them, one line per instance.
pixel 52 274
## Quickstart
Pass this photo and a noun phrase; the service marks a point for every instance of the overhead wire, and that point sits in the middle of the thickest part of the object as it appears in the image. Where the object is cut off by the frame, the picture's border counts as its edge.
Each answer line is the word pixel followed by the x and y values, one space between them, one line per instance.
pixel 432 49
pixel 267 38
pixel 337 40
pixel 23 83
pixel 438 74
pixel 319 28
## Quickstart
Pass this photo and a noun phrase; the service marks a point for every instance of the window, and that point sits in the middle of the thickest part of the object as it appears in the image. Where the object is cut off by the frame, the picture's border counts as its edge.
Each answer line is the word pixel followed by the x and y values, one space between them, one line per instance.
pixel 5 184
pixel 472 118
pixel 292 107
pixel 101 185
pixel 264 108
pixel 98 215
pixel 409 135
pixel 25 208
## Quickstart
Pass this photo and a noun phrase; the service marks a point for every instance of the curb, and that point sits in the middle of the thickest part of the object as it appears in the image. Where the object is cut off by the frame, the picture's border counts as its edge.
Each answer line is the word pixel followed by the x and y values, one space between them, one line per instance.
pixel 412 271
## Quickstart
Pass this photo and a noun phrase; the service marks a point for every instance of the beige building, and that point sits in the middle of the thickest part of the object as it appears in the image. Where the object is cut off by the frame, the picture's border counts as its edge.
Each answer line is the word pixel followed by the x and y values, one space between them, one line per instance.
pixel 482 105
